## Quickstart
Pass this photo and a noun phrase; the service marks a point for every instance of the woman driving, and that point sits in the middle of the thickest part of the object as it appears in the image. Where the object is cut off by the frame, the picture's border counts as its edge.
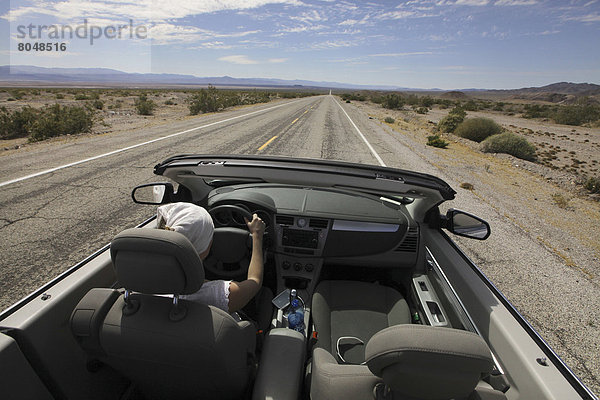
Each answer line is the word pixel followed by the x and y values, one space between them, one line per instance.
pixel 195 223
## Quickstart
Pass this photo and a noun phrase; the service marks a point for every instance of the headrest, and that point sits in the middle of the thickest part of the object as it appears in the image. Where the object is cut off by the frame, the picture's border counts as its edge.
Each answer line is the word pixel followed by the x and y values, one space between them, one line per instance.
pixel 425 362
pixel 156 261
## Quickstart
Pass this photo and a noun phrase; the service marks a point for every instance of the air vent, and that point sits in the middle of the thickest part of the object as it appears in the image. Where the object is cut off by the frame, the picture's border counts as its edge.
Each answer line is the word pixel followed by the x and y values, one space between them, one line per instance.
pixel 318 223
pixel 284 220
pixel 411 241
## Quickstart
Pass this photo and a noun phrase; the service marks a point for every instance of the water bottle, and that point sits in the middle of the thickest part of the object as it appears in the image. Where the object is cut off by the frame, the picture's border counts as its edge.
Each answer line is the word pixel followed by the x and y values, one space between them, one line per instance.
pixel 296 316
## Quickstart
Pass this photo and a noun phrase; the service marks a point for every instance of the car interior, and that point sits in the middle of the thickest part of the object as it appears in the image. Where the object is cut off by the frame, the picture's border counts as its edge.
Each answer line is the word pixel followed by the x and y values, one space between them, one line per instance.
pixel 374 322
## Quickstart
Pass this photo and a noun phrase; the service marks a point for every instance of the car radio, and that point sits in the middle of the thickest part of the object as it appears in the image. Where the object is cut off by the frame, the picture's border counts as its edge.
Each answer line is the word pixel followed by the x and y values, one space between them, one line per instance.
pixel 300 238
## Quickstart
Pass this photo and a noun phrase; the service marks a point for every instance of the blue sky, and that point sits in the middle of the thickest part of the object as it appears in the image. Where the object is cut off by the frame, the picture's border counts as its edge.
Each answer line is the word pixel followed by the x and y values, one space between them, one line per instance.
pixel 421 44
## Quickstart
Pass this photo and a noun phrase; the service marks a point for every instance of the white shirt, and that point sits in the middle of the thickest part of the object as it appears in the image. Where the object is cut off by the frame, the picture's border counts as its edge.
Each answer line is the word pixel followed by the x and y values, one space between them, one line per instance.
pixel 214 293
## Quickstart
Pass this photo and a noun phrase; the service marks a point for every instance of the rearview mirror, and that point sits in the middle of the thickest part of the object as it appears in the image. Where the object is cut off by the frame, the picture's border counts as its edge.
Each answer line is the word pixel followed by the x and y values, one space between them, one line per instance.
pixel 153 193
pixel 464 224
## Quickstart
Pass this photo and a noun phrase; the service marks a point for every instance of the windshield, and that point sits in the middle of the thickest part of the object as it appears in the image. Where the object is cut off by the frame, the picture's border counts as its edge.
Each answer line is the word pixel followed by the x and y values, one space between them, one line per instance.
pixel 498 98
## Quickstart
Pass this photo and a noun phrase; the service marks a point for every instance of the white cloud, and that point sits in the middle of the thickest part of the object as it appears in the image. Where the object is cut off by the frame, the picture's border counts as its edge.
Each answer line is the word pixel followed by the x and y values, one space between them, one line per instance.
pixel 238 59
pixel 166 33
pixel 310 17
pixel 305 28
pixel 472 2
pixel 545 33
pixel 277 60
pixel 145 10
pixel 351 22
pixel 332 44
pixel 516 2
pixel 594 17
pixel 414 53
pixel 212 45
pixel 396 15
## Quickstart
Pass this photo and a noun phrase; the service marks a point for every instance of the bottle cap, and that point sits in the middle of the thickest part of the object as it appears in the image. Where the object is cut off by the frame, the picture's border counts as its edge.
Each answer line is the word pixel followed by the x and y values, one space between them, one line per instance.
pixel 295 303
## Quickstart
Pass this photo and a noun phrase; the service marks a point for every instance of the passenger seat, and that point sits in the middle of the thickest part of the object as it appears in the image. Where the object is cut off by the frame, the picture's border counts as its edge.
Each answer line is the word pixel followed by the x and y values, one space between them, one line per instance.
pixel 347 310
pixel 367 348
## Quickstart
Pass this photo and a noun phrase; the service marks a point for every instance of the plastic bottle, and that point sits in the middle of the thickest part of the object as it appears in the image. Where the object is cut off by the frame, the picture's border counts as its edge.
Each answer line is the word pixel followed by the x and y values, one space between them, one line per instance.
pixel 296 316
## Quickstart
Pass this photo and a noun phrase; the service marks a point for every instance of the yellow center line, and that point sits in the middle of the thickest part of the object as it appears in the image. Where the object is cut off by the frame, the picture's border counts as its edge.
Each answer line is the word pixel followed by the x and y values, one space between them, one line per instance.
pixel 294 121
pixel 267 143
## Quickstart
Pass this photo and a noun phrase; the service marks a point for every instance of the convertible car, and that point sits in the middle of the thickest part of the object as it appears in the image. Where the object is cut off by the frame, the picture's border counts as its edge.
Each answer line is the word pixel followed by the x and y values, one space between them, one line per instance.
pixel 392 308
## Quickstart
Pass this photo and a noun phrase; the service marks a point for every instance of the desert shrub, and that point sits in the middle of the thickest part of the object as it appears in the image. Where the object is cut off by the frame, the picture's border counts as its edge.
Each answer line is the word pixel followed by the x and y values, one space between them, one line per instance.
pixel 16 124
pixel 426 101
pixel 422 110
pixel 509 143
pixel 449 123
pixel 144 106
pixel 17 94
pixel 458 111
pixel 98 104
pixel 206 100
pixel 389 120
pixel 498 106
pixel 169 102
pixel 592 184
pixel 437 141
pixel 55 120
pixel 467 185
pixel 471 105
pixel 477 129
pixel 354 96
pixel 393 101
pixel 560 200
pixel 60 96
pixel 82 96
pixel 578 114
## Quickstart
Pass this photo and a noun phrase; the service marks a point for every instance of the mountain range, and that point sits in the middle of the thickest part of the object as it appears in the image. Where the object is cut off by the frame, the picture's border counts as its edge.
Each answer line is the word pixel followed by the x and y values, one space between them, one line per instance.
pixel 106 76
pixel 32 75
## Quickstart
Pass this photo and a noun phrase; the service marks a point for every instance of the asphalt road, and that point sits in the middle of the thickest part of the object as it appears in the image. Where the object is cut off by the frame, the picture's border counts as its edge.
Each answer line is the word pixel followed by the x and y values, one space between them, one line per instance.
pixel 51 221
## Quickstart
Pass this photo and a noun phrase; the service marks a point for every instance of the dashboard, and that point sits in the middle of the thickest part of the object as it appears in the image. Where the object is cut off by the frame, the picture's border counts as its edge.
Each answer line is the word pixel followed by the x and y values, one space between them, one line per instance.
pixel 323 223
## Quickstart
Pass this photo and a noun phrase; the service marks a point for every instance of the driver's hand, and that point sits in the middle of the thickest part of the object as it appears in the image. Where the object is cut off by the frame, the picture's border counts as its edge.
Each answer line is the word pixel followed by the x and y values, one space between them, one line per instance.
pixel 256 225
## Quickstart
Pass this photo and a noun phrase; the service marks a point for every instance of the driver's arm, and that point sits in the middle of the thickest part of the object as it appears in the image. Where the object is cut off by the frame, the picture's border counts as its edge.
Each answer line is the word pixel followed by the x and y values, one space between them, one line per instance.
pixel 240 293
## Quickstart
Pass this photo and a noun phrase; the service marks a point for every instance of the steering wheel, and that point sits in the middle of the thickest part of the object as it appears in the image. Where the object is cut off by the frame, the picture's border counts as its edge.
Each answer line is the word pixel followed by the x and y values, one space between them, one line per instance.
pixel 229 255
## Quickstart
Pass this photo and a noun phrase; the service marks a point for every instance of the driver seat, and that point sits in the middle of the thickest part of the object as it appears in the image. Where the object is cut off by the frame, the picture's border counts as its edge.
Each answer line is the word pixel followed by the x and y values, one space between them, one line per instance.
pixel 169 348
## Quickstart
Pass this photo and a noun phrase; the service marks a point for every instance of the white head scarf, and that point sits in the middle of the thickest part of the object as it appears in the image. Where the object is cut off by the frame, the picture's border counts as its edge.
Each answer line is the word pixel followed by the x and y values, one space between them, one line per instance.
pixel 189 219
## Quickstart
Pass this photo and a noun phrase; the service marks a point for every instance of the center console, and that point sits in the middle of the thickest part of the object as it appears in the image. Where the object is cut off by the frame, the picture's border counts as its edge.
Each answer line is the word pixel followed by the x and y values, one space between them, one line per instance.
pixel 299 243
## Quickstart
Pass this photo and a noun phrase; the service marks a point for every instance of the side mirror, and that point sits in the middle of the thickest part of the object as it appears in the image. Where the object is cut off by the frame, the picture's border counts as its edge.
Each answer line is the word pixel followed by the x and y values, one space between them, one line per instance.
pixel 464 224
pixel 153 193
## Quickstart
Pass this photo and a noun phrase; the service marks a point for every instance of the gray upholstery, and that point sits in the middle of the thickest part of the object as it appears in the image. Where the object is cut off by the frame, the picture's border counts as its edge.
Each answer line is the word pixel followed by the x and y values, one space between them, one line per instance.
pixel 156 261
pixel 281 366
pixel 350 308
pixel 330 380
pixel 205 355
pixel 425 362
pixel 359 309
pixel 192 351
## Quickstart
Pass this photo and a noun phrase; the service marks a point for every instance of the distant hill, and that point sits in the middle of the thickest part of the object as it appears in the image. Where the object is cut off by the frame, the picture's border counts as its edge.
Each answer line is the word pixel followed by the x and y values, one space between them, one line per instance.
pixel 580 89
pixel 454 95
pixel 562 92
pixel 25 74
